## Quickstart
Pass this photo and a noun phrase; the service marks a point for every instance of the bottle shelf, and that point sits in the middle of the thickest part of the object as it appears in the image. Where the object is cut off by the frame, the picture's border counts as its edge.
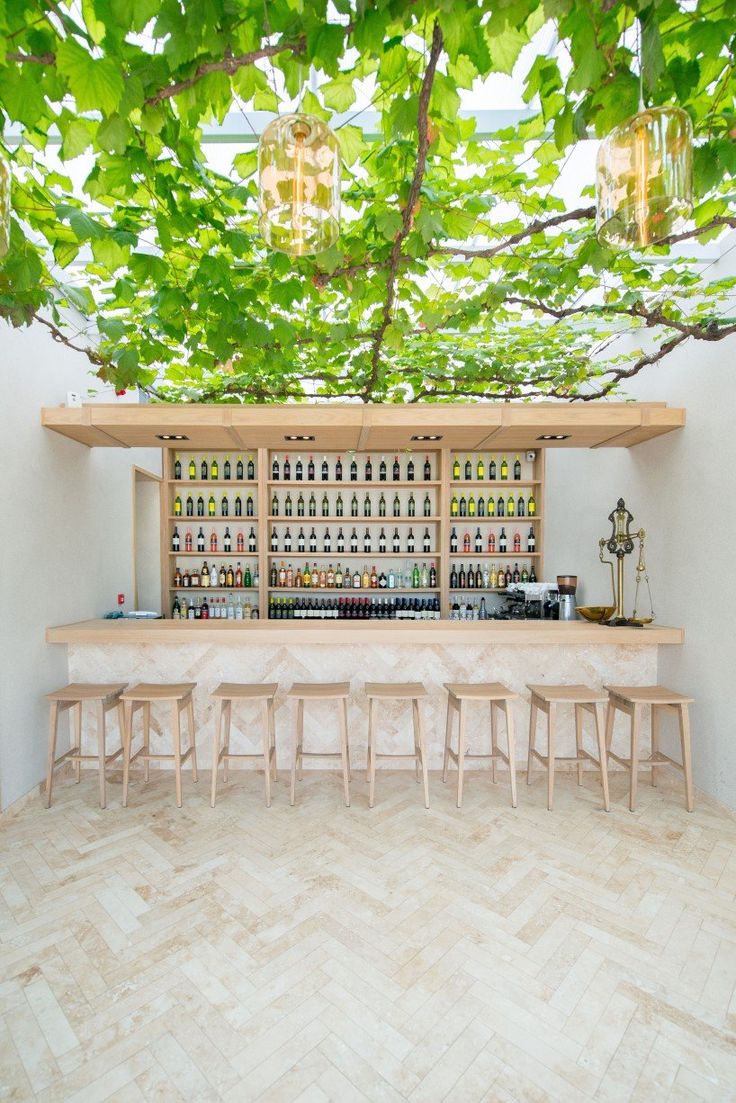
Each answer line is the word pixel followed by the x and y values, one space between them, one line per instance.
pixel 215 589
pixel 219 554
pixel 488 484
pixel 359 485
pixel 480 589
pixel 495 555
pixel 362 520
pixel 495 520
pixel 349 591
pixel 350 555
pixel 238 484
pixel 228 519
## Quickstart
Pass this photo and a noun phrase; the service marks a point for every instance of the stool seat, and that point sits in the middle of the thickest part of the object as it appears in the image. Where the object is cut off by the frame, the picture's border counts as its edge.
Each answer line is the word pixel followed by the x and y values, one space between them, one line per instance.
pixel 159 691
pixel 87 691
pixel 649 695
pixel 246 690
pixel 480 691
pixel 324 691
pixel 397 691
pixel 571 695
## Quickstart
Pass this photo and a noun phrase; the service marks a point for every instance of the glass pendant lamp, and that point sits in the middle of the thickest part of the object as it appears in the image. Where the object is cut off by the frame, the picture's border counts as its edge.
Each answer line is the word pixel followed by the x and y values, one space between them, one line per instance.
pixel 4 206
pixel 299 185
pixel 644 178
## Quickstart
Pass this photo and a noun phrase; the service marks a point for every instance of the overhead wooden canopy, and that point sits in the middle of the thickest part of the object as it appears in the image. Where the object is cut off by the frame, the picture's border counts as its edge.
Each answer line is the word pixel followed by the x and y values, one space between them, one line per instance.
pixel 380 428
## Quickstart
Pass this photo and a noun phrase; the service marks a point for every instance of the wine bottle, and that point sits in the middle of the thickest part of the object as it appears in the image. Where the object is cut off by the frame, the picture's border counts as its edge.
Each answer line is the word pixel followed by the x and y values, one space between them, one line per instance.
pixel 368 470
pixel 275 468
pixel 200 540
pixel 480 469
pixel 382 506
pixel 177 467
pixel 397 506
pixel 288 508
pixel 203 470
pixel 226 469
pixel 412 508
pixel 382 470
pixel 410 541
pixel 468 470
pixel 325 506
pixel 510 506
pixel 275 505
pixel 502 543
pixel 453 541
pixel 227 541
pixel 517 468
pixel 298 469
pixel 396 470
pixel 177 506
pixel 325 469
pixel 504 468
pixel 287 540
pixel 313 540
pixel 463 506
pixel 531 506
pixel 192 469
pixel 492 470
pixel 456 468
pixel 224 506
pixel 427 470
pixel 310 470
pixel 300 505
pixel 274 540
pixel 382 541
pixel 353 470
pixel 427 506
pixel 338 470
pixel 367 505
pixel 531 541
pixel 478 542
pixel 214 469
pixel 339 508
pixel 353 541
pixel 175 541
pixel 455 506
pixel 426 542
pixel 312 505
pixel 410 471
pixel 251 468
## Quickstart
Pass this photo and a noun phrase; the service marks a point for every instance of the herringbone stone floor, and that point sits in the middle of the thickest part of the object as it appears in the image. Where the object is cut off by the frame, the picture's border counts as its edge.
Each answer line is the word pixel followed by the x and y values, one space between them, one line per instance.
pixel 322 953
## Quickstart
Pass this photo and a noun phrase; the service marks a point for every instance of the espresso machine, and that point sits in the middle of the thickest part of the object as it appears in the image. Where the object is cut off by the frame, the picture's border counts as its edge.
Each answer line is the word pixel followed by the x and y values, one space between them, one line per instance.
pixel 567 585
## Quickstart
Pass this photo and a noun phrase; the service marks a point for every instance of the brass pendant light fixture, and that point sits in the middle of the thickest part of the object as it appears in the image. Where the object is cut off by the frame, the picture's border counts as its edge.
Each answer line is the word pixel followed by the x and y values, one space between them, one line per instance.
pixel 299 185
pixel 644 175
pixel 4 206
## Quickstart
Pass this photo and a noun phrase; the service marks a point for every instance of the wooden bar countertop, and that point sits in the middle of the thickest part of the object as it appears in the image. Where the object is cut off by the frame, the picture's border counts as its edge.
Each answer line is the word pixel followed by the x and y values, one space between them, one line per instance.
pixel 336 633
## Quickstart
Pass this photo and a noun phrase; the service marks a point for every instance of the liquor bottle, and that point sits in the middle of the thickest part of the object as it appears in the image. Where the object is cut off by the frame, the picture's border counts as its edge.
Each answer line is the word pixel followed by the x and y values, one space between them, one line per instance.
pixel 313 540
pixel 177 467
pixel 478 543
pixel 312 505
pixel 192 469
pixel 502 542
pixel 249 511
pixel 238 576
pixel 427 506
pixel 524 574
pixel 212 506
pixel 461 579
pixel 251 540
pixel 454 506
pixel 471 506
pixel 227 541
pixel 365 579
pixel 353 541
pixel 516 577
pixel 301 541
pixel 274 540
pixel 177 506
pixel 456 468
pixel 287 540
pixel 410 541
pixel 468 470
pixel 532 574
pixel 367 542
pixel 275 505
pixel 453 540
pixel 491 543
pixel 494 577
pixel 247 577
pixel 374 578
pixel 382 506
pixel 203 470
pixel 204 578
pixel 531 541
pixel 500 507
pixel 453 578
pixel 205 613
pixel 432 576
pixel 200 540
pixel 396 471
pixel 338 470
pixel 226 470
pixel 327 542
pixel 176 610
pixel 410 471
pixel 504 468
pixel 485 579
pixel 427 470
pixel 501 579
pixel 325 506
pixel 382 541
pixel 466 543
pixel 517 541
pixel 275 469
pixel 353 470
pixel 520 506
pixel 531 506
pixel 368 470
pixel 481 506
pixel 480 469
pixel 214 469
pixel 397 506
pixel 517 468
pixel 251 468
pixel 339 508
pixel 188 540
pixel 300 505
pixel 470 579
pixel 310 470
pixel 415 578
pixel 222 577
pixel 224 506
pixel 298 469
pixel 391 580
pixel 412 508
pixel 330 577
pixel 177 577
pixel 175 541
pixel 367 506
pixel 463 506
pixel 426 542
pixel 510 506
pixel 395 542
pixel 325 469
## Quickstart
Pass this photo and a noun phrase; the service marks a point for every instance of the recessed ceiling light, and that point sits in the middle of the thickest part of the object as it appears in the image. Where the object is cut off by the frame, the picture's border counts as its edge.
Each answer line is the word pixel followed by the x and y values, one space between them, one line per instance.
pixel 428 436
pixel 298 437
pixel 554 436
pixel 171 436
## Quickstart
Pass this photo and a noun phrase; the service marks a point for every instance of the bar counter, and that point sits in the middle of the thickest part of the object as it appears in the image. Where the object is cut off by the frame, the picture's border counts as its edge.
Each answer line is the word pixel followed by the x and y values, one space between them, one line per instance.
pixel 433 652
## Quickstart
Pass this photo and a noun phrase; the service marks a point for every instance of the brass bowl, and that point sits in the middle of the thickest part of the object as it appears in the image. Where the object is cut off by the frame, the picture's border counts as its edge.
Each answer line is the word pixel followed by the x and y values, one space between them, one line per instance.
pixel 642 620
pixel 599 614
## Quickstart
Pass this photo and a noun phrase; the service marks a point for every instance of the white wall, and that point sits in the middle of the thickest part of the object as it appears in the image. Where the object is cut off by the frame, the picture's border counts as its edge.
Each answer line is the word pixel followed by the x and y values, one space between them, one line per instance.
pixel 65 541
pixel 681 489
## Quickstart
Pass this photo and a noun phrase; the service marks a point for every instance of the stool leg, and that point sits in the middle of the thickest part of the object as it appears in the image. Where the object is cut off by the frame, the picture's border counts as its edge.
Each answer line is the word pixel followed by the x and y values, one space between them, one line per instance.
pixel 345 750
pixel 53 724
pixel 448 738
pixel 494 742
pixel 508 711
pixel 266 753
pixel 300 745
pixel 579 740
pixel 121 724
pixel 128 739
pixel 634 762
pixel 684 718
pixel 146 738
pixel 227 711
pixel 655 740
pixel 602 756
pixel 101 751
pixel 177 752
pixel 421 744
pixel 610 719
pixel 460 753
pixel 298 736
pixel 417 751
pixel 192 737
pixel 272 733
pixel 371 754
pixel 216 736
pixel 77 710
pixel 532 740
pixel 551 757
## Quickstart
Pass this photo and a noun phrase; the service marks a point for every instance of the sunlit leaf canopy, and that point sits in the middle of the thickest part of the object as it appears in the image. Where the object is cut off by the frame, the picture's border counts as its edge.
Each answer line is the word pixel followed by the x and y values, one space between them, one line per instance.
pixel 459 272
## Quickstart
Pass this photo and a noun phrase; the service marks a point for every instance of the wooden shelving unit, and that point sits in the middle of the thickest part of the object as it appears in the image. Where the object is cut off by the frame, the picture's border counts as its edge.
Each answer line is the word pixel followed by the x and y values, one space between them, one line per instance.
pixel 440 488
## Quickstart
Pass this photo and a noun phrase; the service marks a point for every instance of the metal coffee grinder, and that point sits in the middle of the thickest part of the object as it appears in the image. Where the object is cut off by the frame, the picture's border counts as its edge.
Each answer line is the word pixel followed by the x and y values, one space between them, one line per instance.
pixel 567 585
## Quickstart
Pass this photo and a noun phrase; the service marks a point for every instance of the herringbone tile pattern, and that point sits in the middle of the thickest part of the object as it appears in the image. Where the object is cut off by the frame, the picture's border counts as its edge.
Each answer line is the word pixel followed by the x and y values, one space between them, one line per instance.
pixel 323 953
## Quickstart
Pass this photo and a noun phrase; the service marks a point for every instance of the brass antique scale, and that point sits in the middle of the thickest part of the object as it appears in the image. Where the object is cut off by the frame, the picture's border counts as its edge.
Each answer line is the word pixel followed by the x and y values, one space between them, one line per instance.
pixel 621 543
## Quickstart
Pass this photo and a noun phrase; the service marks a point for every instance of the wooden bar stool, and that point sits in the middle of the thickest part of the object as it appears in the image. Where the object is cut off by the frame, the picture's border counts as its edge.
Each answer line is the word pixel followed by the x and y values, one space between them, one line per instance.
pixel 142 696
pixel 106 696
pixel 499 697
pixel 226 693
pixel 397 691
pixel 630 700
pixel 320 691
pixel 546 699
